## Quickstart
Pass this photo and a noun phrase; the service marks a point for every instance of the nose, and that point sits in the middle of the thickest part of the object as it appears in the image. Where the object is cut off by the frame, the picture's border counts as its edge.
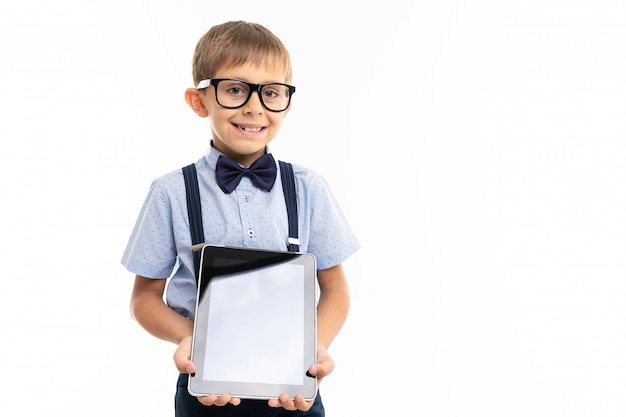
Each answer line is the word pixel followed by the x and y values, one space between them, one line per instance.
pixel 254 104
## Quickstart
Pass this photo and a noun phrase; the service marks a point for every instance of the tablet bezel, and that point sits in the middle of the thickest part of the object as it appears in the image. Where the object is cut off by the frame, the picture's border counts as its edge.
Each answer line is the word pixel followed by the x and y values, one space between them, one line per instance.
pixel 245 261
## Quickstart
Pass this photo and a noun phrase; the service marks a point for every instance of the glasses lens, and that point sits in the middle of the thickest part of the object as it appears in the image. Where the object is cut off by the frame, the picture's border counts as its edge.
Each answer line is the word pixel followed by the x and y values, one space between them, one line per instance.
pixel 231 93
pixel 275 96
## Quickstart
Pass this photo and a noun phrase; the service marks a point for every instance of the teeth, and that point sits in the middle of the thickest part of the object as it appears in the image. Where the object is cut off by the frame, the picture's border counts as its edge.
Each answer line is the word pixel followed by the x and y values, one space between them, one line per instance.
pixel 250 129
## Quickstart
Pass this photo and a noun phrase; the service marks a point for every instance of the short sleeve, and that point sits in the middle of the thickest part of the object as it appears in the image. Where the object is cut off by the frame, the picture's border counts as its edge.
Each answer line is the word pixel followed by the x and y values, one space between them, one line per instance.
pixel 330 237
pixel 151 250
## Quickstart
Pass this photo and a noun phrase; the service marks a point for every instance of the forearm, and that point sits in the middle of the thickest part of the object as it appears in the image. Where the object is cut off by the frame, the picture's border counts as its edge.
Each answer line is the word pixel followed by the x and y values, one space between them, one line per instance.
pixel 150 311
pixel 161 321
pixel 333 305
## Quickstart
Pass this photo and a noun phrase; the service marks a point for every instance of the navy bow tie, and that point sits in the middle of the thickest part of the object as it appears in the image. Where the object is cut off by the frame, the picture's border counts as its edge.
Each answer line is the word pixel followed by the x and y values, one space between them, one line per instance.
pixel 262 172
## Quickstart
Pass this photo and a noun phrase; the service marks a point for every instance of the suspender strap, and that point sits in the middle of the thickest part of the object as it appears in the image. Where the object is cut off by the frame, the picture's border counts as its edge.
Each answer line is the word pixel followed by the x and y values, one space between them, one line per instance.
pixel 289 190
pixel 194 211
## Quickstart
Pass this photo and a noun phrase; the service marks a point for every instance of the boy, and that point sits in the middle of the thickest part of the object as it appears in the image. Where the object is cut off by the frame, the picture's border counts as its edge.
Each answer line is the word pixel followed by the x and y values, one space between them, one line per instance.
pixel 242 73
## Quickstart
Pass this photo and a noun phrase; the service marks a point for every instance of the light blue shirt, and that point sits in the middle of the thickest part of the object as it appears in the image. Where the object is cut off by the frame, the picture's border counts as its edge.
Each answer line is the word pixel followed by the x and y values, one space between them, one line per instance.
pixel 159 245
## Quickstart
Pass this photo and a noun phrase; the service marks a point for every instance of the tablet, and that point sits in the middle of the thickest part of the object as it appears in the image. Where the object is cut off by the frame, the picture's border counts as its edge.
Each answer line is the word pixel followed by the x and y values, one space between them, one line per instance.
pixel 255 328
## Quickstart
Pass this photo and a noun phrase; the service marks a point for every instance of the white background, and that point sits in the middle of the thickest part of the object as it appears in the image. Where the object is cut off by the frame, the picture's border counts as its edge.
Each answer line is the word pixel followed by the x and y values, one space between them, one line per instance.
pixel 478 149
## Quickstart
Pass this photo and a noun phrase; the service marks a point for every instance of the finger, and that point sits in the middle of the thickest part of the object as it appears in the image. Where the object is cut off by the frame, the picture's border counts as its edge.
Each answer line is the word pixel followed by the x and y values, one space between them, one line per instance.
pixel 208 399
pixel 286 402
pixel 274 402
pixel 219 400
pixel 301 404
pixel 186 367
pixel 222 400
pixel 322 369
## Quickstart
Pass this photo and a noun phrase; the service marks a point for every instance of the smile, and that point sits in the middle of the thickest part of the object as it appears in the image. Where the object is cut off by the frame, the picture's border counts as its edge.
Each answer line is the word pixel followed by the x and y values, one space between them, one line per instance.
pixel 250 129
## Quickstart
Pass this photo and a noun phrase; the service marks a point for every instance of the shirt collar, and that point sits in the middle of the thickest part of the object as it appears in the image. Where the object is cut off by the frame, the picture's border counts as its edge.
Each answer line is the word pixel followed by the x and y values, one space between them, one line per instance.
pixel 212 154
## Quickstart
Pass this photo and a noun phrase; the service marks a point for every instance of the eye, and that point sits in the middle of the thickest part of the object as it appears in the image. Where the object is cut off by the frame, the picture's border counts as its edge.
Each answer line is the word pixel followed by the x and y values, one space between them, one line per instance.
pixel 270 93
pixel 236 91
pixel 274 91
pixel 233 88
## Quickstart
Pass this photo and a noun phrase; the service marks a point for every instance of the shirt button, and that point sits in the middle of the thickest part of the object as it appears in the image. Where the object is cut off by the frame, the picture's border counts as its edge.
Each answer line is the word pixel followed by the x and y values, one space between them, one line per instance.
pixel 246 198
pixel 250 233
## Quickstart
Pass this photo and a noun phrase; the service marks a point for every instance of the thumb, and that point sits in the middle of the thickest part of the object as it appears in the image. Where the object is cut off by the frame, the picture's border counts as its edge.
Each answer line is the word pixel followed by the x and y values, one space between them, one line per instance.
pixel 182 357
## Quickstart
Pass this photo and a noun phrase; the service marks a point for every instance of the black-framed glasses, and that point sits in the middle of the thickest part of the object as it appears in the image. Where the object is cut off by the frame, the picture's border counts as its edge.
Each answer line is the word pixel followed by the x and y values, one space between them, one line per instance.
pixel 232 93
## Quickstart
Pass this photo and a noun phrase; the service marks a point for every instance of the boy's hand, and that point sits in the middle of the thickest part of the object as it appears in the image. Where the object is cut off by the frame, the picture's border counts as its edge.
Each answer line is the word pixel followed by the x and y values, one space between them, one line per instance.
pixel 182 359
pixel 298 403
pixel 324 366
pixel 219 400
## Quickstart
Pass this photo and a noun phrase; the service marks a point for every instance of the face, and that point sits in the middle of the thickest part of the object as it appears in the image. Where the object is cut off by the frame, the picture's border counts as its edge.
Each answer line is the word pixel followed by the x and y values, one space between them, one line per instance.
pixel 241 134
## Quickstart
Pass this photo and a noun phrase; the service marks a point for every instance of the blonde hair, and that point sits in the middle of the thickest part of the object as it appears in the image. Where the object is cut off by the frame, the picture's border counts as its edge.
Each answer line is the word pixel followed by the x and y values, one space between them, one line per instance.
pixel 236 43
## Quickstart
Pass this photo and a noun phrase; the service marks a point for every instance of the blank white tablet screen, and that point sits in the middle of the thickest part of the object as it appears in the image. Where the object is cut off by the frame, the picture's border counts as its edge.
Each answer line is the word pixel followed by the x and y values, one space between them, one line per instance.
pixel 244 315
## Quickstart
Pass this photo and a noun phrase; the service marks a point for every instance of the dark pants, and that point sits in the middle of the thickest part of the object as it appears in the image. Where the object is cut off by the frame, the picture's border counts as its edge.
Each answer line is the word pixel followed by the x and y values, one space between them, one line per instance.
pixel 187 405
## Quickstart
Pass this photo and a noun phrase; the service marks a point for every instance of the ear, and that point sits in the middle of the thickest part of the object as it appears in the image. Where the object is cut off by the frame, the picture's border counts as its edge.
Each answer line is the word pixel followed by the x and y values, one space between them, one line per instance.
pixel 193 97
